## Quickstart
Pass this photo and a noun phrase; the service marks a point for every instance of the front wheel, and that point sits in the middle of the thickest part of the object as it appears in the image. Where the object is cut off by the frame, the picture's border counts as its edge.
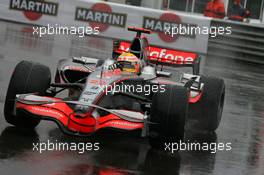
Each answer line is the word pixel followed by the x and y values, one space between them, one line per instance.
pixel 206 114
pixel 28 77
pixel 167 116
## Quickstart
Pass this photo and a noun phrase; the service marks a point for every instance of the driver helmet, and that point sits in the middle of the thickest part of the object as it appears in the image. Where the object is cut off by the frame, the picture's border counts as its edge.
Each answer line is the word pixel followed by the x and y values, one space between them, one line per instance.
pixel 129 63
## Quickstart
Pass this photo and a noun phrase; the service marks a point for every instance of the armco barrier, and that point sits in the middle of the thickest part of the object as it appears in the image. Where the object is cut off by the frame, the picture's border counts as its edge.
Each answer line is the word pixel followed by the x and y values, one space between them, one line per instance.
pixel 245 43
pixel 112 19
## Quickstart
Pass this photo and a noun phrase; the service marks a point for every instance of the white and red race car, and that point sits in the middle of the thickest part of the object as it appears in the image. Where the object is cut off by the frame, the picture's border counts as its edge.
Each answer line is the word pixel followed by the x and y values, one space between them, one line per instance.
pixel 93 104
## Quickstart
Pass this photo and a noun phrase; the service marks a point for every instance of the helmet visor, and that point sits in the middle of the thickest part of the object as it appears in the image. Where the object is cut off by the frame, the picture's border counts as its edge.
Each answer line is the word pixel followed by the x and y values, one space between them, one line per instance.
pixel 128 66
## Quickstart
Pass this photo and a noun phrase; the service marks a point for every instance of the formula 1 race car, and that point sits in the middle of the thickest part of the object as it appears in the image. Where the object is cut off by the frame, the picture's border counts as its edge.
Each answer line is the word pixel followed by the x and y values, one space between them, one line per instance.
pixel 149 101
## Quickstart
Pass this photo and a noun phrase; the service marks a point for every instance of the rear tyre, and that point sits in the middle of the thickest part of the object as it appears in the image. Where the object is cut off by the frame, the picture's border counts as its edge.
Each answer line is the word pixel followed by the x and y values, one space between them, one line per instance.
pixel 206 114
pixel 168 114
pixel 28 77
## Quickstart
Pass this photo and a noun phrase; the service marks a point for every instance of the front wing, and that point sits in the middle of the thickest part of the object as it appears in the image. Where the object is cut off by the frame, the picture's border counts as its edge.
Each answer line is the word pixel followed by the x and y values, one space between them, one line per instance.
pixel 74 123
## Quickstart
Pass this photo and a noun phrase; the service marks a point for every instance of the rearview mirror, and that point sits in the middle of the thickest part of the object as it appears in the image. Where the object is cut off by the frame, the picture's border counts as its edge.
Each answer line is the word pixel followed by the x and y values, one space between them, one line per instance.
pixel 163 73
pixel 85 60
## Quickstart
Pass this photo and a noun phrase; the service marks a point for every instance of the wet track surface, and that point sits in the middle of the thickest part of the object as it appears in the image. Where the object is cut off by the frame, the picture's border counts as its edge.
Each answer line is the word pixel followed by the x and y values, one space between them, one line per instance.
pixel 126 153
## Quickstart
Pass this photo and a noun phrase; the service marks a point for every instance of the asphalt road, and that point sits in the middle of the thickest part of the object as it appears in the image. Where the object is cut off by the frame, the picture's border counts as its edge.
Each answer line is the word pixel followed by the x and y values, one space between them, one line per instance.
pixel 126 153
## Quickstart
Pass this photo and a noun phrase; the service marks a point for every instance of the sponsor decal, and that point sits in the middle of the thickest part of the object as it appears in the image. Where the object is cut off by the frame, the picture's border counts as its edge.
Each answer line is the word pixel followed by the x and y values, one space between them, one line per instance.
pixel 94 87
pixel 34 9
pixel 109 73
pixel 164 23
pixel 88 93
pixel 123 124
pixel 164 55
pixel 46 111
pixel 98 82
pixel 100 15
pixel 171 56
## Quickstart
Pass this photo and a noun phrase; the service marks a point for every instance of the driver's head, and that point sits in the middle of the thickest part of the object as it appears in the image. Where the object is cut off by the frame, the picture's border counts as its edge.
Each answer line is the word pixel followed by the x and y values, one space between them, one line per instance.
pixel 129 62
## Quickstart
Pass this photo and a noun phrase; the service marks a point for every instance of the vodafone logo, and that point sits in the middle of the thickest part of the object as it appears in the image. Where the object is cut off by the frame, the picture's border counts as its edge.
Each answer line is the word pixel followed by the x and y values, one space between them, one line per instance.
pixel 100 15
pixel 34 9
pixel 171 56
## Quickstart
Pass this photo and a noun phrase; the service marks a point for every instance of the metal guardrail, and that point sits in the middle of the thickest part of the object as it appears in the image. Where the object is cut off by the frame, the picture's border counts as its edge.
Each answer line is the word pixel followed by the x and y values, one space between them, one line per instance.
pixel 245 43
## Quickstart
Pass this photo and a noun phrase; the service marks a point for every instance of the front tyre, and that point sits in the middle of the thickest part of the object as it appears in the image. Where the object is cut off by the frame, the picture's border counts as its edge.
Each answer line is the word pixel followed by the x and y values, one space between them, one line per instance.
pixel 28 77
pixel 207 112
pixel 167 116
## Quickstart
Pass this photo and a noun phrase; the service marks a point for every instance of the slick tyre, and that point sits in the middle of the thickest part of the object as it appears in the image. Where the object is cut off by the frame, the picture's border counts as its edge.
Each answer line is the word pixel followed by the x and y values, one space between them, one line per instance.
pixel 28 77
pixel 207 112
pixel 167 116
